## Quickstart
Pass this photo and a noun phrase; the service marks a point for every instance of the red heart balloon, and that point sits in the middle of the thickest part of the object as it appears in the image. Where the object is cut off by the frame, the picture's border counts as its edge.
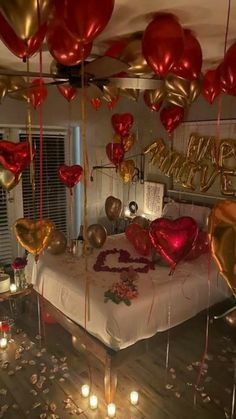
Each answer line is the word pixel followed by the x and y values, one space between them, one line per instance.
pixel 96 103
pixel 171 117
pixel 15 156
pixel 115 153
pixel 113 103
pixel 68 91
pixel 152 105
pixel 211 87
pixel 142 242
pixel 70 175
pixel 200 246
pixel 132 230
pixel 190 64
pixel 38 93
pixel 173 239
pixel 122 123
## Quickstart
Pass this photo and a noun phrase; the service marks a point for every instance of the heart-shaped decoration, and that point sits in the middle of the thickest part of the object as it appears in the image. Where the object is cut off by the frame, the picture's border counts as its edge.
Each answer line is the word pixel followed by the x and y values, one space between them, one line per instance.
pixel 113 208
pixel 127 170
pixel 153 98
pixel 124 257
pixel 222 237
pixel 96 103
pixel 7 179
pixel 122 123
pixel 173 239
pixel 128 141
pixel 15 156
pixel 171 117
pixel 115 153
pixel 70 175
pixel 68 91
pixel 38 93
pixel 33 235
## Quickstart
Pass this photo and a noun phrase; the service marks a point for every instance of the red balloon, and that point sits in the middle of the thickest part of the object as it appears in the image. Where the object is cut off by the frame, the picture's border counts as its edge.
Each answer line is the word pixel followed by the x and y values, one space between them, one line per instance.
pixel 85 19
pixel 163 43
pixel 70 175
pixel 142 242
pixel 211 87
pixel 113 103
pixel 16 45
pixel 173 239
pixel 116 48
pixel 64 47
pixel 96 103
pixel 153 106
pixel 132 230
pixel 115 153
pixel 200 246
pixel 171 117
pixel 38 93
pixel 227 70
pixel 122 123
pixel 68 91
pixel 190 64
pixel 47 318
pixel 15 156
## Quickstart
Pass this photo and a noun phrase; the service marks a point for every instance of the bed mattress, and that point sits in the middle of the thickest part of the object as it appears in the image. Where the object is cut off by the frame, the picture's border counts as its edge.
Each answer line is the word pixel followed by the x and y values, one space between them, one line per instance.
pixel 164 301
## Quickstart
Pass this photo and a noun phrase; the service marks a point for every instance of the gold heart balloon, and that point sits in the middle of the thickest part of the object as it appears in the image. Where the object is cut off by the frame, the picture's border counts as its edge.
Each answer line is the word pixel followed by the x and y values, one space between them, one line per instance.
pixel 177 85
pixel 22 16
pixel 132 94
pixel 128 141
pixel 156 96
pixel 194 91
pixel 7 179
pixel 132 55
pixel 222 237
pixel 110 93
pixel 4 80
pixel 96 235
pixel 176 99
pixel 33 235
pixel 17 88
pixel 126 170
pixel 113 208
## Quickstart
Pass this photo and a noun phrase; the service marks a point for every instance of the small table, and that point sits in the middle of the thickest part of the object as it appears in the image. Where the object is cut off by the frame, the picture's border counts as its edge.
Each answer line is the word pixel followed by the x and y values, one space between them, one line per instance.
pixel 12 297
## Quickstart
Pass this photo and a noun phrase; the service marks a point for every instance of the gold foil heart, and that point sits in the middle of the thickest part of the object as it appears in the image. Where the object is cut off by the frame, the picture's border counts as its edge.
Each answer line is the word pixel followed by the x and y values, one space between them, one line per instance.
pixel 33 235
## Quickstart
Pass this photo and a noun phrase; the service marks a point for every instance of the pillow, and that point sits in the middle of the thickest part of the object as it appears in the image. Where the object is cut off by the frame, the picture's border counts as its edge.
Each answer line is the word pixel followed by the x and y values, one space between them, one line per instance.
pixel 199 213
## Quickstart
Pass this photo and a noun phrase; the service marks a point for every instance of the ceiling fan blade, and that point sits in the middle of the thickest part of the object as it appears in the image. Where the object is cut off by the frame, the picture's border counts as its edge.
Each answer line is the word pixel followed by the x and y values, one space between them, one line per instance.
pixel 9 72
pixel 93 91
pixel 135 83
pixel 105 67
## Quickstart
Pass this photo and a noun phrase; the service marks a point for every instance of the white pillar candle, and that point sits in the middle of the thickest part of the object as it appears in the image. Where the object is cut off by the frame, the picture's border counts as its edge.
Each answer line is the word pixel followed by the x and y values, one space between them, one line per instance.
pixel 13 287
pixel 85 390
pixel 111 410
pixel 3 343
pixel 93 401
pixel 134 397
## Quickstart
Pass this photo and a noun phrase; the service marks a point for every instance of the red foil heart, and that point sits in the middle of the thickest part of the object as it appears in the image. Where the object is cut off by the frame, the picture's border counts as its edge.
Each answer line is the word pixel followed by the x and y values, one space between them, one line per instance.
pixel 68 91
pixel 115 153
pixel 200 247
pixel 70 175
pixel 122 123
pixel 15 156
pixel 96 103
pixel 38 93
pixel 175 239
pixel 171 117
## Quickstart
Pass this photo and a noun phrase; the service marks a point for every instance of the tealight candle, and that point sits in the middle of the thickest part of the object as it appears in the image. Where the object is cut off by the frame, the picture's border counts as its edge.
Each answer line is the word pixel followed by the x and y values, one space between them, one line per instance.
pixel 85 390
pixel 93 401
pixel 3 343
pixel 111 410
pixel 13 287
pixel 134 397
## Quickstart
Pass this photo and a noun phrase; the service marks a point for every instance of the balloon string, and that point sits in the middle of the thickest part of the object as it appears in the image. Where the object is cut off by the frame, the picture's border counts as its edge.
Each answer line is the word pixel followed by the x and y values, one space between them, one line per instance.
pixel 29 131
pixel 69 133
pixel 227 27
pixel 40 125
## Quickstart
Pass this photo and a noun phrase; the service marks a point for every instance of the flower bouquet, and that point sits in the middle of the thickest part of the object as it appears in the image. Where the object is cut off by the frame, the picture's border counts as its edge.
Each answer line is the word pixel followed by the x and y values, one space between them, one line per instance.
pixel 125 289
pixel 19 265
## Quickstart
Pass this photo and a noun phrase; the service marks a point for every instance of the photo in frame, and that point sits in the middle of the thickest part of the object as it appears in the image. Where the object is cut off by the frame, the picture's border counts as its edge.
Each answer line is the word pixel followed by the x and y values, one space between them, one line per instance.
pixel 153 198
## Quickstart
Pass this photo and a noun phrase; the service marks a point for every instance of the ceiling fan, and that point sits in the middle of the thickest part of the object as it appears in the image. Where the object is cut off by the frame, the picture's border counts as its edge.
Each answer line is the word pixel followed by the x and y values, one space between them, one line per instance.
pixel 100 72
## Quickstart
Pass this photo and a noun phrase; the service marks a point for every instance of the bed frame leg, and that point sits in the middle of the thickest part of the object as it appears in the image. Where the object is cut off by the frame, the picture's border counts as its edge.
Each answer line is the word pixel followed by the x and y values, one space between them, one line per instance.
pixel 110 380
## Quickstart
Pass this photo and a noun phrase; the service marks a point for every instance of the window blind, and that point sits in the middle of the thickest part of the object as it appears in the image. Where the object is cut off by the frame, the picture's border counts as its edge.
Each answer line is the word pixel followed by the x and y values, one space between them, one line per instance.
pixel 5 236
pixel 53 191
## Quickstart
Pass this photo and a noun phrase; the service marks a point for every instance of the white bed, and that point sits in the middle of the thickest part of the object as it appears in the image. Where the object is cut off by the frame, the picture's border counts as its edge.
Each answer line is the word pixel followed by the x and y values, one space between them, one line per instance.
pixel 61 280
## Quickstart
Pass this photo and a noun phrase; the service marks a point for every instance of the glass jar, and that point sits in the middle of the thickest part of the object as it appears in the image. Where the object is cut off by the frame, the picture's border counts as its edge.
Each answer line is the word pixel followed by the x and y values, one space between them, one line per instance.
pixel 20 278
pixel 6 325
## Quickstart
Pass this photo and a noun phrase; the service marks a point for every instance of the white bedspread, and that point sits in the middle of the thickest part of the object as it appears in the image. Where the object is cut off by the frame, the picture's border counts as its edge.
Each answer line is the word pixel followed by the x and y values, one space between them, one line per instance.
pixel 61 280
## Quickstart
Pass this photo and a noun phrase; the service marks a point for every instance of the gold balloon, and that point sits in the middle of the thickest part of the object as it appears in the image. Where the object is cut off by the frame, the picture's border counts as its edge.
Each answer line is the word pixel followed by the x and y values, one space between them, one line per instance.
pixel 22 16
pixel 176 99
pixel 128 141
pixel 222 237
pixel 132 55
pixel 194 91
pixel 156 96
pixel 33 235
pixel 142 221
pixel 4 80
pixel 57 243
pixel 110 93
pixel 132 94
pixel 7 179
pixel 113 208
pixel 126 170
pixel 116 138
pixel 96 235
pixel 177 85
pixel 17 88
pixel 231 319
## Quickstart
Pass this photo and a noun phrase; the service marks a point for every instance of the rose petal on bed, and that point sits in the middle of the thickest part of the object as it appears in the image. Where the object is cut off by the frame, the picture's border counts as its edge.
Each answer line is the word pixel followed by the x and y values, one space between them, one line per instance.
pixel 61 380
pixel 34 378
pixel 51 377
pixel 18 367
pixel 169 386
pixel 32 362
pixel 33 392
pixel 177 394
pixel 43 370
pixel 46 391
pixel 52 407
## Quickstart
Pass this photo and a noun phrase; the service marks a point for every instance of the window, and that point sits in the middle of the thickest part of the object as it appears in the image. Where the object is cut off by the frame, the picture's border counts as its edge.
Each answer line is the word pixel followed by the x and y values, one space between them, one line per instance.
pixel 54 192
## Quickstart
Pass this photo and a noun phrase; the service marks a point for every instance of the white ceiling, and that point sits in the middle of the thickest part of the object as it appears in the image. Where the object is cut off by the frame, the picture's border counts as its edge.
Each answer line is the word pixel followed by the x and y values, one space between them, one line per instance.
pixel 207 18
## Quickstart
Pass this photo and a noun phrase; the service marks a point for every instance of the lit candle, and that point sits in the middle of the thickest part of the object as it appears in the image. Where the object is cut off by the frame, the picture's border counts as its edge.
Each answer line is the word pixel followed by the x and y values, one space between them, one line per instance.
pixel 13 287
pixel 3 343
pixel 111 410
pixel 93 402
pixel 85 390
pixel 134 397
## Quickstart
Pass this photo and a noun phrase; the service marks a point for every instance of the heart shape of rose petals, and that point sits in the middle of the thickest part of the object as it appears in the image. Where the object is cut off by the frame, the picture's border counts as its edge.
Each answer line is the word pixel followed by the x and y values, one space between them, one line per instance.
pixel 33 235
pixel 124 257
pixel 122 123
pixel 70 175
pixel 15 156
pixel 173 239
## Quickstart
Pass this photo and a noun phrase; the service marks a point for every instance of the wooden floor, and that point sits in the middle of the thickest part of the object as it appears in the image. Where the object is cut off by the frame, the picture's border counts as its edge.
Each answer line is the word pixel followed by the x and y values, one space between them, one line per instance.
pixel 44 381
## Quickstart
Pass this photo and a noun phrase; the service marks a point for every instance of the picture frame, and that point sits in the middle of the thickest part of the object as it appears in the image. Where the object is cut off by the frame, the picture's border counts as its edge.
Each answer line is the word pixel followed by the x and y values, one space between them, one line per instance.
pixel 153 198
